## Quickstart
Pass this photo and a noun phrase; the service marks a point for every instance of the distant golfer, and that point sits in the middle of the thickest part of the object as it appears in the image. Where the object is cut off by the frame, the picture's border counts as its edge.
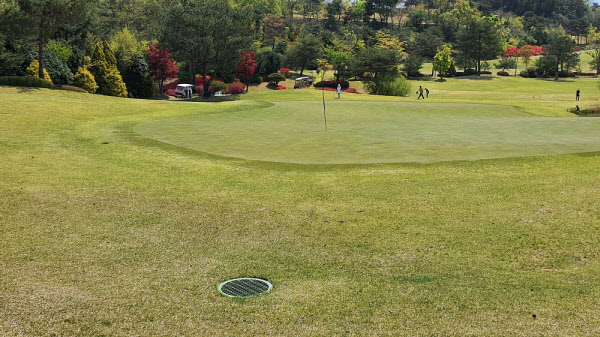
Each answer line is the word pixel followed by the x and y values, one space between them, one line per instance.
pixel 339 91
pixel 427 92
pixel 578 95
pixel 420 92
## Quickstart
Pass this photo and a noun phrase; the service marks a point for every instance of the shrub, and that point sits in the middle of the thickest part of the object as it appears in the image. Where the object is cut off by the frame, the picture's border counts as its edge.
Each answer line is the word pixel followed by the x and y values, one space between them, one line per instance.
pixel 282 88
pixel 256 80
pixel 503 73
pixel 59 71
pixel 285 72
pixel 236 88
pixel 112 84
pixel 389 86
pixel 486 73
pixel 25 81
pixel 531 72
pixel 219 86
pixel 275 78
pixel 34 69
pixel 470 72
pixel 351 91
pixel 565 73
pixel 170 92
pixel 137 79
pixel 332 84
pixel 57 68
pixel 72 88
pixel 85 80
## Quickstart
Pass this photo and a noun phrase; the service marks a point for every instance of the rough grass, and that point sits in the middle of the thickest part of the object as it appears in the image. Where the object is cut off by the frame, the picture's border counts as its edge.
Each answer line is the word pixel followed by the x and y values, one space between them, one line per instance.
pixel 105 232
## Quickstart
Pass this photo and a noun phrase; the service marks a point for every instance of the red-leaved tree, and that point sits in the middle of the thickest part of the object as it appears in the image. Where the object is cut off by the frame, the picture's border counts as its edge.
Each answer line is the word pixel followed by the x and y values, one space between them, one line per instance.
pixel 246 67
pixel 162 66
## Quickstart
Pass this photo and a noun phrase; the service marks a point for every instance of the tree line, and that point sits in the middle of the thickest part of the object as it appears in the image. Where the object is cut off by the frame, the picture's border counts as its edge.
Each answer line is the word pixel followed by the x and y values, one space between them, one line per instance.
pixel 134 46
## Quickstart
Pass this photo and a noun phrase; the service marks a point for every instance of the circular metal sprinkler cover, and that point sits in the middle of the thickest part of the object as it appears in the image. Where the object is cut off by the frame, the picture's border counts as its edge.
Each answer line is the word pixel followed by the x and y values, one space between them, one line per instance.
pixel 245 287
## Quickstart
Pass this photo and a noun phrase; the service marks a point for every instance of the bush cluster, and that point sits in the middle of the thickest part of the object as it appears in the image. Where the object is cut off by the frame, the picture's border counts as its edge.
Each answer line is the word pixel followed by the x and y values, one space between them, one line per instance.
pixel 85 80
pixel 503 73
pixel 389 86
pixel 531 72
pixel 332 84
pixel 219 86
pixel 236 88
pixel 34 69
pixel 275 78
pixel 25 81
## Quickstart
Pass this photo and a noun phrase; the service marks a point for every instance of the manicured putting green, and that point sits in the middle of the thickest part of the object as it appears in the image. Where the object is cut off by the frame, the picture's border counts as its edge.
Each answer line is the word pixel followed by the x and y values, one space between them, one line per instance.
pixel 376 132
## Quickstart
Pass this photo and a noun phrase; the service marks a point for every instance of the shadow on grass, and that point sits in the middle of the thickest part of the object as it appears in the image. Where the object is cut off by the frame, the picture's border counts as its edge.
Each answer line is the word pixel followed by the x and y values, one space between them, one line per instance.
pixel 551 79
pixel 476 78
pixel 216 99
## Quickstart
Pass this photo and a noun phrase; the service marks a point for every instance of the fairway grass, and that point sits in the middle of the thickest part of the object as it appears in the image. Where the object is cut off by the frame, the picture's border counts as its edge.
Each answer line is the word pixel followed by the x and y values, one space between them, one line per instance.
pixel 105 232
pixel 375 132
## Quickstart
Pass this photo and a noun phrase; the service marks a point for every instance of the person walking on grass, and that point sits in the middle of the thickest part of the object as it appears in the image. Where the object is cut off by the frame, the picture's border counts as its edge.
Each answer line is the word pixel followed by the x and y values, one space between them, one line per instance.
pixel 578 96
pixel 427 92
pixel 339 91
pixel 420 92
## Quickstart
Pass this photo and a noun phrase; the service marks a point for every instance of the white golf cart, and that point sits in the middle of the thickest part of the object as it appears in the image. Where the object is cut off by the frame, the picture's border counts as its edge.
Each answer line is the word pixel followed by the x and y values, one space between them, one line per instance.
pixel 184 91
pixel 303 82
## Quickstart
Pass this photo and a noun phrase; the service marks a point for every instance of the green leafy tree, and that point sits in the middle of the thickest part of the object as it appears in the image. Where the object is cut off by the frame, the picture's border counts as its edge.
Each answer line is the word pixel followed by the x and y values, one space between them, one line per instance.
pixel 339 56
pixel 480 39
pixel 377 62
pixel 561 47
pixel 304 53
pixel 126 48
pixel 273 29
pixel 507 63
pixel 268 61
pixel 442 60
pixel 208 35
pixel 427 43
pixel 412 65
pixel 595 62
pixel 41 18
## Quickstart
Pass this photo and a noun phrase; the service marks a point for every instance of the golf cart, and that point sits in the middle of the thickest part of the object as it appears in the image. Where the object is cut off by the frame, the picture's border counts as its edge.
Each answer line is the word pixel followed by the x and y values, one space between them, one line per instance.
pixel 184 90
pixel 303 82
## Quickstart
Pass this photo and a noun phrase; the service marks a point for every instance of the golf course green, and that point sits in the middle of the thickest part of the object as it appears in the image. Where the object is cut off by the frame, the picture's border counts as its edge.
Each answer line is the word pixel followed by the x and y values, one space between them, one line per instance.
pixel 474 213
pixel 376 132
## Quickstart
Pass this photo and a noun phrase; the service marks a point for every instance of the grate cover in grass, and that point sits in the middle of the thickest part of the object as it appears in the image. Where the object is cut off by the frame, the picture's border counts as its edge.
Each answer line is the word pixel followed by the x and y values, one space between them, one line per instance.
pixel 245 287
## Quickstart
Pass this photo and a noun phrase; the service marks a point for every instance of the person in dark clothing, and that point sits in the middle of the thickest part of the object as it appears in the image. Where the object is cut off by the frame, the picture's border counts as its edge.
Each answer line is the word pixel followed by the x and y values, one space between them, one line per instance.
pixel 578 96
pixel 427 92
pixel 420 92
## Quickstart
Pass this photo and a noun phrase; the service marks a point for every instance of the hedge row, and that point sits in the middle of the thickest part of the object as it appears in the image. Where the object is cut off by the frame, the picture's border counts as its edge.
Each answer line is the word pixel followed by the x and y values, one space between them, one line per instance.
pixel 25 81
pixel 332 84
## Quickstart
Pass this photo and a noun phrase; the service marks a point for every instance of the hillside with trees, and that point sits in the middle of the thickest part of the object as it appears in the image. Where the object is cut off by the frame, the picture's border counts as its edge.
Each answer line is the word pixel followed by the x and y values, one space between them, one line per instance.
pixel 140 47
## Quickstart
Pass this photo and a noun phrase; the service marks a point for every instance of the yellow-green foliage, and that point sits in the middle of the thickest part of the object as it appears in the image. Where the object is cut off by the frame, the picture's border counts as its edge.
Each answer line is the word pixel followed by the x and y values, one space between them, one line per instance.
pixel 112 84
pixel 85 80
pixel 34 69
pixel 105 72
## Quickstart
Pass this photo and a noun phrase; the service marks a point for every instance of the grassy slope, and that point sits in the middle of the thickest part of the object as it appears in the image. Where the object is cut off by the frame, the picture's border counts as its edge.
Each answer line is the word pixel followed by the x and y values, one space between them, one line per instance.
pixel 453 249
